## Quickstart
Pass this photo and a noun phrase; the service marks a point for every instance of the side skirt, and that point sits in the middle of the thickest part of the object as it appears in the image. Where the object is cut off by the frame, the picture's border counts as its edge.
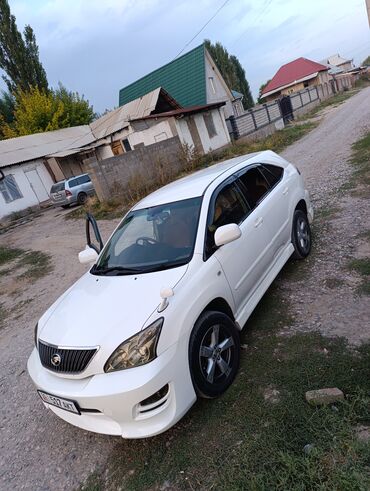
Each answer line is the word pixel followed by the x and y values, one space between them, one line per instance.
pixel 247 309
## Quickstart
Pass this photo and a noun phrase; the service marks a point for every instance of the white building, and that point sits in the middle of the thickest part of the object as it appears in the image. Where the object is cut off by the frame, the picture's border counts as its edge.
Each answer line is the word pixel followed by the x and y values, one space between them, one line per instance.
pixel 31 164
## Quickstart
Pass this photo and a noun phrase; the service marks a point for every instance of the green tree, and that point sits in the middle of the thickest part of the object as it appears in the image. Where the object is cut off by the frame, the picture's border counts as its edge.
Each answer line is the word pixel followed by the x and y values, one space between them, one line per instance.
pixel 38 110
pixel 76 108
pixel 259 100
pixel 231 70
pixel 19 56
pixel 366 61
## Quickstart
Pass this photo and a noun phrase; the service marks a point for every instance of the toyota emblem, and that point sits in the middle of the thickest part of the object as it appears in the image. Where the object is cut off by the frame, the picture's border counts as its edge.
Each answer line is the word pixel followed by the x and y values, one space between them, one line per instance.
pixel 56 359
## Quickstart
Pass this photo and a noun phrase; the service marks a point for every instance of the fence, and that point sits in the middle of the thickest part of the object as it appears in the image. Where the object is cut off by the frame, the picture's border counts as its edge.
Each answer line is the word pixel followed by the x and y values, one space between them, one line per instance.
pixel 272 113
pixel 116 175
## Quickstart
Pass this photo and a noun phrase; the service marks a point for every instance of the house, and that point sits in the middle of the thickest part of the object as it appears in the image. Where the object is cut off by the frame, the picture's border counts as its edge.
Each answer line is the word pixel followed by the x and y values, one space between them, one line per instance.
pixel 25 177
pixel 295 76
pixel 30 164
pixel 193 79
pixel 342 63
pixel 149 119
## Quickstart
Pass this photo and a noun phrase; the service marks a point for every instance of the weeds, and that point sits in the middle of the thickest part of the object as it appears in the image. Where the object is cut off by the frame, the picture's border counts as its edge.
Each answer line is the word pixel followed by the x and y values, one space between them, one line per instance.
pixel 35 263
pixel 8 254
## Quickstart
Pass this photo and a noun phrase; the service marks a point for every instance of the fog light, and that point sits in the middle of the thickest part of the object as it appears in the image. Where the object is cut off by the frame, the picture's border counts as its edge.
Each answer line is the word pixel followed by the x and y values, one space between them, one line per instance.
pixel 157 396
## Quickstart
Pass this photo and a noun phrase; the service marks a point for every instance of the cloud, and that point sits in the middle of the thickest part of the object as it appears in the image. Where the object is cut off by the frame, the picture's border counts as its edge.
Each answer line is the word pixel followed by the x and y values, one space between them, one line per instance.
pixel 97 47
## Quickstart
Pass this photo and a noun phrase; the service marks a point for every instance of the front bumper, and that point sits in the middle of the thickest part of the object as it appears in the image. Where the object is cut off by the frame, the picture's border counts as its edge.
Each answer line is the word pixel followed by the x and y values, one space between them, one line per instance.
pixel 117 395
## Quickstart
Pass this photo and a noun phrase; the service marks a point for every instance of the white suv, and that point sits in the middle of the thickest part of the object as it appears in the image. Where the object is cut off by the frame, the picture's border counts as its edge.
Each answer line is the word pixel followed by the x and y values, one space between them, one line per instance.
pixel 155 322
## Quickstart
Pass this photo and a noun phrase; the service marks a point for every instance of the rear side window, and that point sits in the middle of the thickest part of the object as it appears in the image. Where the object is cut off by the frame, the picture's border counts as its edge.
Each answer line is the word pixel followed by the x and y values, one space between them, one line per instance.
pixel 73 183
pixel 228 206
pixel 83 179
pixel 272 173
pixel 58 186
pixel 254 185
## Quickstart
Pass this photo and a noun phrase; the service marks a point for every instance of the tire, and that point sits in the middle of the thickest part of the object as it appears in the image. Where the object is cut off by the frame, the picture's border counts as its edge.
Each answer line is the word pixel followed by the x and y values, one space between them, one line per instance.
pixel 212 368
pixel 81 198
pixel 301 235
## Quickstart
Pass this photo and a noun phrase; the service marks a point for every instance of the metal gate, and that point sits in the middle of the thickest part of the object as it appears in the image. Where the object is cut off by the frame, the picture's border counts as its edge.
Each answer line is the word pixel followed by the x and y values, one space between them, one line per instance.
pixel 286 108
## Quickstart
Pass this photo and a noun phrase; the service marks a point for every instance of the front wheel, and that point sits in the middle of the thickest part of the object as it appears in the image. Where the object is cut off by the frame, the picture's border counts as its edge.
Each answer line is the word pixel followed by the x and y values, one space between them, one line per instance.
pixel 301 235
pixel 214 354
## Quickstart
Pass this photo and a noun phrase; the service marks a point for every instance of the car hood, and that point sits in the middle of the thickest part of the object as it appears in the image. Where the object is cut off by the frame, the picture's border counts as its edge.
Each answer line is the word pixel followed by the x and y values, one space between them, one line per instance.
pixel 105 310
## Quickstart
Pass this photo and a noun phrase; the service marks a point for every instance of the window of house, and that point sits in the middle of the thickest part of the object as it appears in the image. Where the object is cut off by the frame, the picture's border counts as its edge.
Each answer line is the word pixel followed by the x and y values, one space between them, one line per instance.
pixel 210 125
pixel 254 185
pixel 160 137
pixel 212 84
pixel 9 189
pixel 228 206
pixel 126 145
pixel 117 148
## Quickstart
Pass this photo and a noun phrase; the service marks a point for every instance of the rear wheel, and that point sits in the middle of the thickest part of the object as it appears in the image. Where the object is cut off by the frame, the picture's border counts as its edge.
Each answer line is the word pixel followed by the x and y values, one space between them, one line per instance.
pixel 81 198
pixel 214 354
pixel 301 235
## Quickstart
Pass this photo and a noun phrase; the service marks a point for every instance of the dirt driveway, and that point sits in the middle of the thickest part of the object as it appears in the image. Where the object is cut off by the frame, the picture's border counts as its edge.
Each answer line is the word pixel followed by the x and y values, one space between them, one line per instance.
pixel 40 452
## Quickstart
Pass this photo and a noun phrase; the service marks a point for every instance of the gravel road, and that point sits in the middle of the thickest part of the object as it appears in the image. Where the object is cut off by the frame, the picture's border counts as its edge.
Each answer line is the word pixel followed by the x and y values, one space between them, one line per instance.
pixel 38 451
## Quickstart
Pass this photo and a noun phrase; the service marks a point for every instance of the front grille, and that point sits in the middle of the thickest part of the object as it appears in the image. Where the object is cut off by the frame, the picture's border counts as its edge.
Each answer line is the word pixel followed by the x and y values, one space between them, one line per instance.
pixel 65 360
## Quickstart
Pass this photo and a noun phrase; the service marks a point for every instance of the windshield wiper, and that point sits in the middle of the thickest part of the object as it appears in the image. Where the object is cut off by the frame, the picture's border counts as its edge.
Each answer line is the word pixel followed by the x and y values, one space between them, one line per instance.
pixel 117 269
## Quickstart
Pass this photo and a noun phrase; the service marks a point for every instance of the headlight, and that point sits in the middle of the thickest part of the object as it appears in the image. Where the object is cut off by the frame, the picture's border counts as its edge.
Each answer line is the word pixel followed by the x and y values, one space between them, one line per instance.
pixel 137 350
pixel 35 334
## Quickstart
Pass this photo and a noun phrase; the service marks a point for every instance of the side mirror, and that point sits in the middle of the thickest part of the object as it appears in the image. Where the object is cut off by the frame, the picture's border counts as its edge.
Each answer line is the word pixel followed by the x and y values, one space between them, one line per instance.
pixel 90 220
pixel 227 233
pixel 88 256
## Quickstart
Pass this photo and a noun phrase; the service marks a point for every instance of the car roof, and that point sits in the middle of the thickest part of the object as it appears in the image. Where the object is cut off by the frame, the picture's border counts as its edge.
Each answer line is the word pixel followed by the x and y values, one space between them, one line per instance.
pixel 195 184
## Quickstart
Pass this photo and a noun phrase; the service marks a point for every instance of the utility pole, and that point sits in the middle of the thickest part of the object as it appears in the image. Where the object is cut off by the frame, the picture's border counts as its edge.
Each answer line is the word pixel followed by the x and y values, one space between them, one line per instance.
pixel 368 10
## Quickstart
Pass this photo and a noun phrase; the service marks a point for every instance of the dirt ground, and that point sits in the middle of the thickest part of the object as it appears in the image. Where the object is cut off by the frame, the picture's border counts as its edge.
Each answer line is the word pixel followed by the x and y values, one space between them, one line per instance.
pixel 38 451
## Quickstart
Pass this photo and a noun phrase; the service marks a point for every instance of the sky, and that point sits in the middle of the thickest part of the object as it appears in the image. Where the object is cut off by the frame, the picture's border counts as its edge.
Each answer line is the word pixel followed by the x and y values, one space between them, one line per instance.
pixel 96 47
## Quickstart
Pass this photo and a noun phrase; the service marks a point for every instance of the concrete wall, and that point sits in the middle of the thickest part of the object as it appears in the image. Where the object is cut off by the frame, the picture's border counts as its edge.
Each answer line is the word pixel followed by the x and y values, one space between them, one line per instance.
pixel 116 175
pixel 222 136
pixel 29 198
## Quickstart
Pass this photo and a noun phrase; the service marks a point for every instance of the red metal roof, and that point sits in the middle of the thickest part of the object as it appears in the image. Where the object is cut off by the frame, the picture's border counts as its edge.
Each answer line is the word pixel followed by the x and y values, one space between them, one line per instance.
pixel 185 110
pixel 295 70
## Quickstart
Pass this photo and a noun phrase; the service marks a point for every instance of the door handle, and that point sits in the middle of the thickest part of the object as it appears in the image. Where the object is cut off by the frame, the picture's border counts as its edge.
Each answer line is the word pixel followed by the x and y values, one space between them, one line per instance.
pixel 258 222
pixel 285 191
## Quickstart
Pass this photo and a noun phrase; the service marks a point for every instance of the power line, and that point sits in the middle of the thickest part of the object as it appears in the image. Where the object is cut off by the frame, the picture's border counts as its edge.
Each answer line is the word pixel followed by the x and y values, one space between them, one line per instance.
pixel 205 25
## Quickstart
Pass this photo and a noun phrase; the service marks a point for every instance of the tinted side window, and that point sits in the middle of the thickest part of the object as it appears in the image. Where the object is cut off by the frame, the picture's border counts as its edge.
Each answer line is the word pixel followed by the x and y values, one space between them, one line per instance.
pixel 73 183
pixel 228 206
pixel 83 179
pixel 272 173
pixel 254 185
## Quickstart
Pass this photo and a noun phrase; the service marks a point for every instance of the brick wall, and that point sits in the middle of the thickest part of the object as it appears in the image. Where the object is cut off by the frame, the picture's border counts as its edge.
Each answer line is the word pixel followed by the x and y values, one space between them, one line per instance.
pixel 114 175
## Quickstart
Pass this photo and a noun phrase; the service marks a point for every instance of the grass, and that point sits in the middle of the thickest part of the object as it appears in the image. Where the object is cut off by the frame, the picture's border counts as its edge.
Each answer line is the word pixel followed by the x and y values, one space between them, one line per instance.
pixel 241 441
pixel 117 206
pixel 35 263
pixel 8 254
pixel 359 182
pixel 3 314
pixel 362 266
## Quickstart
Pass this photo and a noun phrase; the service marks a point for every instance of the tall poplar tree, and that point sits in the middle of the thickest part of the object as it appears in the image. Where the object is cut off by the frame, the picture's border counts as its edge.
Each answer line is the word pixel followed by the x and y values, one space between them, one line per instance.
pixel 19 56
pixel 231 70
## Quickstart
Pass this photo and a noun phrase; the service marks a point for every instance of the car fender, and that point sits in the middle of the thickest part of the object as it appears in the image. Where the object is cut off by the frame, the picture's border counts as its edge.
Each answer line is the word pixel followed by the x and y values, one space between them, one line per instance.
pixel 202 283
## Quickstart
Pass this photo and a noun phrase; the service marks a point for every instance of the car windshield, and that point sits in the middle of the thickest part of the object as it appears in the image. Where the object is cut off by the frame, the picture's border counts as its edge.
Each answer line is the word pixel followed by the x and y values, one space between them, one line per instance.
pixel 152 239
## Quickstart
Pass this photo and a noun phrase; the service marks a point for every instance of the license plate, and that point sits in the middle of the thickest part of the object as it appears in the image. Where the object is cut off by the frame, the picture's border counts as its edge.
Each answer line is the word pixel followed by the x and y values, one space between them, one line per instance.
pixel 56 401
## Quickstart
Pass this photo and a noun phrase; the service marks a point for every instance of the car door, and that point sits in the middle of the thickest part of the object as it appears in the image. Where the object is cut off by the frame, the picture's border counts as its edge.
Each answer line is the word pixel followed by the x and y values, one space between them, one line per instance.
pixel 267 196
pixel 239 259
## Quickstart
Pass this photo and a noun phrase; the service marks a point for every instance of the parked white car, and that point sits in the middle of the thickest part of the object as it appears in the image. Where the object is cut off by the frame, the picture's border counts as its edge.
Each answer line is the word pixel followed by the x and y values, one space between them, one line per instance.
pixel 155 322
